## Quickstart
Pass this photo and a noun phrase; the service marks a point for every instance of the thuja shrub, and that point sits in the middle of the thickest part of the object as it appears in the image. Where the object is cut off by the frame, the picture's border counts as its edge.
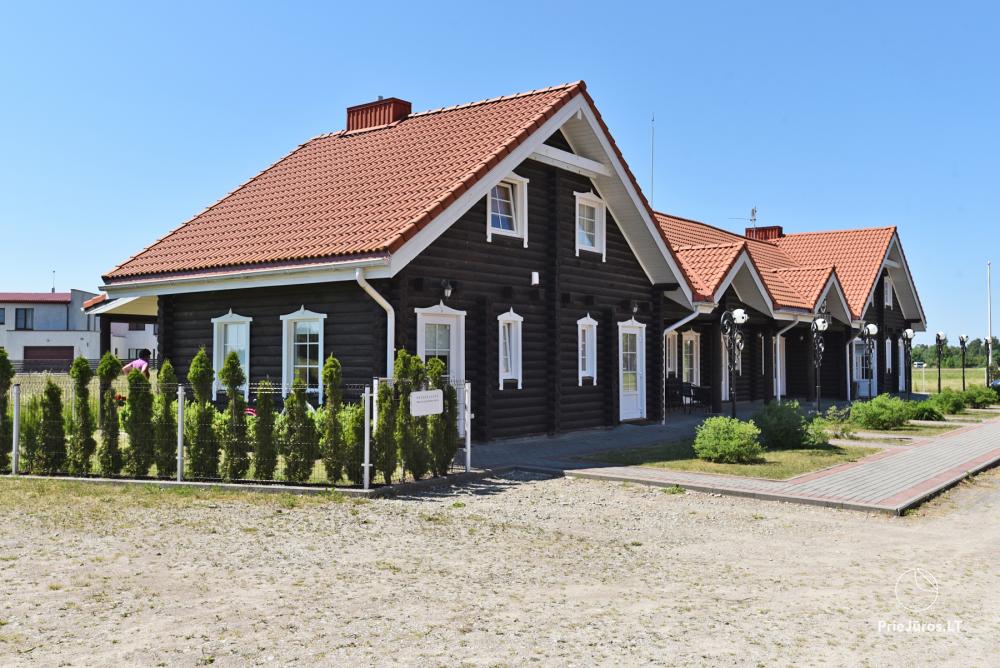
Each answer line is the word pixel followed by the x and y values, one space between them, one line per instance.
pixel 882 412
pixel 6 420
pixel 199 432
pixel 298 442
pixel 728 440
pixel 442 430
pixel 979 396
pixel 30 441
pixel 352 428
pixel 51 456
pixel 411 432
pixel 385 452
pixel 109 455
pixel 265 451
pixel 138 423
pixel 233 435
pixel 781 425
pixel 165 421
pixel 948 402
pixel 331 445
pixel 82 443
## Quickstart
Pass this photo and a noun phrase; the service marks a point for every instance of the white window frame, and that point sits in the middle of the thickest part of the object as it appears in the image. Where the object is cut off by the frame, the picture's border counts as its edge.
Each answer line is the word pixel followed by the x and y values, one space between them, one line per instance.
pixel 600 236
pixel 888 355
pixel 519 191
pixel 763 361
pixel 671 357
pixel 887 290
pixel 514 321
pixel 288 348
pixel 695 338
pixel 218 359
pixel 586 327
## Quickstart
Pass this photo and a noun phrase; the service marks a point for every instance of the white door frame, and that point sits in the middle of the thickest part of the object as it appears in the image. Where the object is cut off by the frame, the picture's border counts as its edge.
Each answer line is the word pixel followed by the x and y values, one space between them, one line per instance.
pixel 902 364
pixel 866 389
pixel 445 315
pixel 632 326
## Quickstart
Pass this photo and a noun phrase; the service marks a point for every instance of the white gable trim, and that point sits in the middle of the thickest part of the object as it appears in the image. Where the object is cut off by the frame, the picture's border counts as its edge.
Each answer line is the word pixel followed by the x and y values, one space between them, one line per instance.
pixel 888 263
pixel 744 261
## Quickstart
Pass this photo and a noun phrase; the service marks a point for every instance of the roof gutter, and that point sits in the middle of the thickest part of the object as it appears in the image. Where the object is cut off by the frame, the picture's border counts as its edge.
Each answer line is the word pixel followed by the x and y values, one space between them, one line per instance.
pixel 390 319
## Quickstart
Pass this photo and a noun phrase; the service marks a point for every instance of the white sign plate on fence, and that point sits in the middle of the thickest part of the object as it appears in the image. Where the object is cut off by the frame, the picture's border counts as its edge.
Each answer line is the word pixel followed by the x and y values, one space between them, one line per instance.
pixel 427 402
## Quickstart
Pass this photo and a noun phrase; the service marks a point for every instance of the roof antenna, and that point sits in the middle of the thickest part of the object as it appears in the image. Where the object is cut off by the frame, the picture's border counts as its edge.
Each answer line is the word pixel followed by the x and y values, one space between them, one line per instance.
pixel 752 219
pixel 652 154
pixel 53 280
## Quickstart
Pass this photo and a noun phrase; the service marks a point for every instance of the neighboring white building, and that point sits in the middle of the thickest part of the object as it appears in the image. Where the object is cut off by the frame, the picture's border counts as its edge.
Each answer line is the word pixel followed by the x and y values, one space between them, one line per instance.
pixel 47 329
pixel 128 338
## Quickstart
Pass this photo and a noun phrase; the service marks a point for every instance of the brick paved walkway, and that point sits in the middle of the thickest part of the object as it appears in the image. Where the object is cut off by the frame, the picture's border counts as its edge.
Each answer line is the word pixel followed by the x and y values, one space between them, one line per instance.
pixel 892 480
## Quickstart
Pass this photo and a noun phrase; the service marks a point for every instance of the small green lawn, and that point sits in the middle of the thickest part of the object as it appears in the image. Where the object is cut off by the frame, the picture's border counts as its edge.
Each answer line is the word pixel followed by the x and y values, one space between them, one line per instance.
pixel 776 464
pixel 917 429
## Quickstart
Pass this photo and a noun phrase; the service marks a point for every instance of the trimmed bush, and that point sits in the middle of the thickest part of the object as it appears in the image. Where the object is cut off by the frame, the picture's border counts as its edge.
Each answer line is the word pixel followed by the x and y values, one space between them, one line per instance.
pixel 351 421
pixel 51 456
pixel 298 441
pixel 411 432
pixel 948 402
pixel 138 419
pixel 979 396
pixel 265 452
pixel 925 410
pixel 233 434
pixel 442 430
pixel 109 455
pixel 82 443
pixel 728 440
pixel 331 445
pixel 6 419
pixel 165 421
pixel 781 425
pixel 199 428
pixel 882 412
pixel 385 453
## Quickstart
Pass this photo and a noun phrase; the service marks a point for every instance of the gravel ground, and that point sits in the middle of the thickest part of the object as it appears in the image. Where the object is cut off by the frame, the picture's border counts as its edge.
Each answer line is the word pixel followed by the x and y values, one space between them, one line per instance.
pixel 511 571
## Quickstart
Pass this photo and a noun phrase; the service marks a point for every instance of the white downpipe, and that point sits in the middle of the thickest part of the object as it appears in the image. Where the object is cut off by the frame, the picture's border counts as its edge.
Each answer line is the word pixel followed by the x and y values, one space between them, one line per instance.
pixel 680 323
pixel 390 320
pixel 849 366
pixel 780 390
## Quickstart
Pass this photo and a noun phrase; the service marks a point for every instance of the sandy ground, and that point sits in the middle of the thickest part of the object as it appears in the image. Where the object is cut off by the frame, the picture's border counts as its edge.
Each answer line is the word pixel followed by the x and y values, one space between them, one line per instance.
pixel 512 571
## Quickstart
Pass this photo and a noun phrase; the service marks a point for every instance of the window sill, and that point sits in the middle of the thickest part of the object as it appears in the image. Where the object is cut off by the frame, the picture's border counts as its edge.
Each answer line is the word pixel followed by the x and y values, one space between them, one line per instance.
pixel 504 233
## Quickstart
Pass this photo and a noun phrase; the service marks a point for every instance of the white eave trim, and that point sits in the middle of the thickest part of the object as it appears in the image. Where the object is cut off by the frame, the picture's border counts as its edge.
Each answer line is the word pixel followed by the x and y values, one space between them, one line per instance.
pixel 571 162
pixel 744 261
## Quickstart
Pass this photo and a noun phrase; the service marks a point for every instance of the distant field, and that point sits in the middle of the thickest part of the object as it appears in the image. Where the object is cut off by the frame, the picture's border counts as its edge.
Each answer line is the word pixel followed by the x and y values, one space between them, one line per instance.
pixel 925 380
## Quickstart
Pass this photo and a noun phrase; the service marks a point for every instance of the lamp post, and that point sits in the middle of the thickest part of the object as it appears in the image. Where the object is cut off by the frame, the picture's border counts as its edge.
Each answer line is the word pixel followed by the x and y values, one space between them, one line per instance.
pixel 940 340
pixel 868 333
pixel 963 341
pixel 819 325
pixel 907 342
pixel 733 338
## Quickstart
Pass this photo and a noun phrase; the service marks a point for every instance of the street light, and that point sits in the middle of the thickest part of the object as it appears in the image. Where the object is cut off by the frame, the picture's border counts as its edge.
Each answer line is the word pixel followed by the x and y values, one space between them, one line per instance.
pixel 868 334
pixel 907 342
pixel 963 341
pixel 733 338
pixel 940 340
pixel 819 325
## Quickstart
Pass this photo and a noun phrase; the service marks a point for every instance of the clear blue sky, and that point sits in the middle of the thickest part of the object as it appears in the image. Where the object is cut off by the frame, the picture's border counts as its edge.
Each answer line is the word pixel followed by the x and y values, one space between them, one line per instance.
pixel 118 123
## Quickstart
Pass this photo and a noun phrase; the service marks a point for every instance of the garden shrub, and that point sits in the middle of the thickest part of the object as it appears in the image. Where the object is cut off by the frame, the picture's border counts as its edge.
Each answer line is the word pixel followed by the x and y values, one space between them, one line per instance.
pixel 109 455
pixel 298 441
pixel 411 432
pixel 925 410
pixel 6 419
pixel 442 430
pixel 781 425
pixel 385 452
pixel 948 402
pixel 138 422
pixel 82 443
pixel 882 412
pixel 816 434
pixel 332 448
pixel 199 429
pixel 31 433
pixel 51 457
pixel 165 421
pixel 979 396
pixel 728 440
pixel 351 420
pixel 233 434
pixel 265 453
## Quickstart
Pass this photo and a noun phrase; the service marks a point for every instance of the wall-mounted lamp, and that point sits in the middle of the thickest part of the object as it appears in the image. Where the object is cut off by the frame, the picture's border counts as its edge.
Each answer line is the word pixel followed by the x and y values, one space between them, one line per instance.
pixel 534 279
pixel 446 287
pixel 635 307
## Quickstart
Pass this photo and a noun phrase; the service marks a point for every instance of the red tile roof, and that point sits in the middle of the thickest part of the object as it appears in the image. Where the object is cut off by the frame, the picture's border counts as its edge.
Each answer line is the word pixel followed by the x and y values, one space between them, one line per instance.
pixel 359 193
pixel 794 268
pixel 36 297
pixel 94 301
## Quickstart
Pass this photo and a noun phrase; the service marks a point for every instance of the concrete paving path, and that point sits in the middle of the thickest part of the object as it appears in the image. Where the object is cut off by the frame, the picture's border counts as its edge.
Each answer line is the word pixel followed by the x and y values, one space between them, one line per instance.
pixel 890 481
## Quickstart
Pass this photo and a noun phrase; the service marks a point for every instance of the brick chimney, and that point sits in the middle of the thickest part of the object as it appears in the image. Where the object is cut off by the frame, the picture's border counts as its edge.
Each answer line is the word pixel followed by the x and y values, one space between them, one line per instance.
pixel 768 233
pixel 379 112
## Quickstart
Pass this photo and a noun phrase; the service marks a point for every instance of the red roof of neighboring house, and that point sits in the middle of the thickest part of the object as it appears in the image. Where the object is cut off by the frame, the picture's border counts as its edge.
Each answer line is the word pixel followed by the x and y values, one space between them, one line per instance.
pixel 36 297
pixel 794 268
pixel 94 301
pixel 352 193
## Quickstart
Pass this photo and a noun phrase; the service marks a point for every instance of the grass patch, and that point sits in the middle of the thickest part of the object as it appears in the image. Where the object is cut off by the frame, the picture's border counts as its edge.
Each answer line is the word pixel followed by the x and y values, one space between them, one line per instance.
pixel 925 380
pixel 917 429
pixel 775 464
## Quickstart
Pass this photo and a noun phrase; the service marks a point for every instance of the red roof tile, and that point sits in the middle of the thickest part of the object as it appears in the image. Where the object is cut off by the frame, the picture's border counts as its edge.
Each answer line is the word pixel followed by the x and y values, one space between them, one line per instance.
pixel 352 193
pixel 94 301
pixel 36 297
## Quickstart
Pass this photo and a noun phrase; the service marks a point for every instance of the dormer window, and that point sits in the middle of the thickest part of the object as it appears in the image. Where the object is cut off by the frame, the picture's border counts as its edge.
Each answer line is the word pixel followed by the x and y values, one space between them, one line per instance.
pixel 590 215
pixel 507 209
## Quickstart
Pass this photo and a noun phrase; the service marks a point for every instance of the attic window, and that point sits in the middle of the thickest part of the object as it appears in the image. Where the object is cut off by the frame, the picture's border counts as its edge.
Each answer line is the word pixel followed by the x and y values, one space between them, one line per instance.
pixel 590 214
pixel 507 209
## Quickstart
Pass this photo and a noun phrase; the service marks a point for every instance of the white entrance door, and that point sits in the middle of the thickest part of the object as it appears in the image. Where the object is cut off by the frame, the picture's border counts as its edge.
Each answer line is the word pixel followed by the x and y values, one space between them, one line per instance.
pixel 902 366
pixel 631 370
pixel 867 385
pixel 441 334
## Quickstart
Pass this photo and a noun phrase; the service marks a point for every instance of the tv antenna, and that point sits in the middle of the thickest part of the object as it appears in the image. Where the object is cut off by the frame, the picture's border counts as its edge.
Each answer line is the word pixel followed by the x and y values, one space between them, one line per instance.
pixel 652 154
pixel 752 219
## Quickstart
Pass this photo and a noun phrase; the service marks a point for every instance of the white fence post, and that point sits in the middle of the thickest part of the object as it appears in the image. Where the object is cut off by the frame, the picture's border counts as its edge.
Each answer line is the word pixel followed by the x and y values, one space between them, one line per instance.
pixel 15 446
pixel 468 426
pixel 368 436
pixel 180 433
pixel 374 403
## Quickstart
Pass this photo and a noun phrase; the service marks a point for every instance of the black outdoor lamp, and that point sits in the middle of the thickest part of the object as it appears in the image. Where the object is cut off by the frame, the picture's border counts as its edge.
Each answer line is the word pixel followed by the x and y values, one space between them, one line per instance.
pixel 446 287
pixel 733 337
pixel 963 341
pixel 868 334
pixel 940 341
pixel 907 343
pixel 819 325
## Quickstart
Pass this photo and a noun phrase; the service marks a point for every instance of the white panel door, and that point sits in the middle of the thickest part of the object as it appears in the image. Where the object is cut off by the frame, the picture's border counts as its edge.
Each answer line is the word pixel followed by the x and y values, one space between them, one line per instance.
pixel 631 370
